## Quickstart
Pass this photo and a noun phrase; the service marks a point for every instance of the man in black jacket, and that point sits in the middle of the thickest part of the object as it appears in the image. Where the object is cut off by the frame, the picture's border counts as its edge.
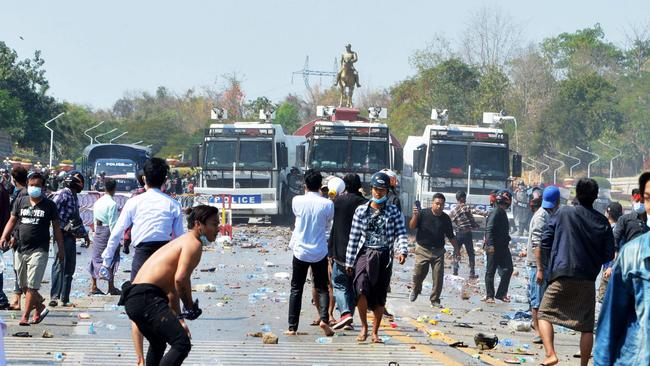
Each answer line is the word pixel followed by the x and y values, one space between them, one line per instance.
pixel 497 239
pixel 631 225
pixel 344 207
pixel 580 241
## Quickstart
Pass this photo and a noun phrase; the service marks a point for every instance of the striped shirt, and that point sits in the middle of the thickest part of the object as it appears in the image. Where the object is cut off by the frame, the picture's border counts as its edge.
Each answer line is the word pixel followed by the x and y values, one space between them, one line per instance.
pixel 395 231
pixel 462 217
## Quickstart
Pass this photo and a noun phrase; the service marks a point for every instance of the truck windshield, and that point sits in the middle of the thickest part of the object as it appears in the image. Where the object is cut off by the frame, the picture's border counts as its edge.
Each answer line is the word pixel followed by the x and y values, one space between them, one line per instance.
pixel 328 153
pixel 255 154
pixel 369 154
pixel 220 154
pixel 252 154
pixel 447 160
pixel 114 167
pixel 489 162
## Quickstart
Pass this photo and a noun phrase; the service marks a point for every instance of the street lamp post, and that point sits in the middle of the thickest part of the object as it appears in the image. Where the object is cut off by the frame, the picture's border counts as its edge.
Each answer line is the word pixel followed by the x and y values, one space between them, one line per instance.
pixel 137 142
pixel 592 162
pixel 530 165
pixel 541 174
pixel 118 136
pixel 611 162
pixel 103 134
pixel 52 135
pixel 92 128
pixel 555 170
pixel 572 166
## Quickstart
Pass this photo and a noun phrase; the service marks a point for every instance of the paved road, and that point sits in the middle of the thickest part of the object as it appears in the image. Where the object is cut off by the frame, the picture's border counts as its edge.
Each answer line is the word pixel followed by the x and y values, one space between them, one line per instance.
pixel 251 294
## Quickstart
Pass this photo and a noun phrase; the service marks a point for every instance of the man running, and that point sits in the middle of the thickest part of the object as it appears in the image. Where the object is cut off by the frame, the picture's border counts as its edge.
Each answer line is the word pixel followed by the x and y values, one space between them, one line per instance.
pixel 156 218
pixel 152 301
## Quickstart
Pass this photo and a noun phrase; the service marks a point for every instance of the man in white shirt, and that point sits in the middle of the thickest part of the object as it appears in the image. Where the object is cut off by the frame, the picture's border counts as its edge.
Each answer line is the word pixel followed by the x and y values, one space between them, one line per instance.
pixel 314 215
pixel 156 218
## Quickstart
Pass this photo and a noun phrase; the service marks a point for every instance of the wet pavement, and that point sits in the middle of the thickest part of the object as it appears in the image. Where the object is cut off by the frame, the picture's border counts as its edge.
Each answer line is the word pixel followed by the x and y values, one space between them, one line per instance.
pixel 244 288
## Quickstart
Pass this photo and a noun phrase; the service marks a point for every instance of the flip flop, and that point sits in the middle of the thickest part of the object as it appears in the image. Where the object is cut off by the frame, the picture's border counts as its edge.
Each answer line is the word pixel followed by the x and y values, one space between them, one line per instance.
pixel 377 340
pixel 115 292
pixel 41 316
pixel 362 337
pixel 24 324
pixel 458 345
pixel 463 325
pixel 97 292
pixel 315 323
pixel 22 334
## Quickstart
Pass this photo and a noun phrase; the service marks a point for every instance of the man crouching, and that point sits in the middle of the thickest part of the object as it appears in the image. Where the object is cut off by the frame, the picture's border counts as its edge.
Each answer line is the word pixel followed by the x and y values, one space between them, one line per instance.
pixel 152 301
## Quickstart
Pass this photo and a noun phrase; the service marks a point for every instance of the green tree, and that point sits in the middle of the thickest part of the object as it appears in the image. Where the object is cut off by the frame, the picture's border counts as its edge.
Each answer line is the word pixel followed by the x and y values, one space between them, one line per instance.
pixel 288 116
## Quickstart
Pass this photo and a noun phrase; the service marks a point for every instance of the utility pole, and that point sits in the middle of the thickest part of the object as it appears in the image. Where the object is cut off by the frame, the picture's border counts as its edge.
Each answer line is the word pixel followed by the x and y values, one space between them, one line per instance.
pixel 92 128
pixel 306 73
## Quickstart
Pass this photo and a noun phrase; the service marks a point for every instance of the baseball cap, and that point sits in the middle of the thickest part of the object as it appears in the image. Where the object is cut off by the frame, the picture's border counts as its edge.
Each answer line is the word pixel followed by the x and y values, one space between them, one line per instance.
pixel 550 196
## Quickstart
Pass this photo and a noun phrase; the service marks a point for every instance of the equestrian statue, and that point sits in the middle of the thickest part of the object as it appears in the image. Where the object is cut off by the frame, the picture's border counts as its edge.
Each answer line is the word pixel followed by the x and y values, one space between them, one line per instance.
pixel 347 77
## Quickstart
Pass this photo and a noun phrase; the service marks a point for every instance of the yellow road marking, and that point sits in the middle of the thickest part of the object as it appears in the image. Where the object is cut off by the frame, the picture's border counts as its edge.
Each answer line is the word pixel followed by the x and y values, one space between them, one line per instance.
pixel 448 340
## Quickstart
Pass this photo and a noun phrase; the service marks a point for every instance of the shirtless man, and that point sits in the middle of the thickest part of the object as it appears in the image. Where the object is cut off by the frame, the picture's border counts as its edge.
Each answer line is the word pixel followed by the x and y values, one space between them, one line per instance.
pixel 152 301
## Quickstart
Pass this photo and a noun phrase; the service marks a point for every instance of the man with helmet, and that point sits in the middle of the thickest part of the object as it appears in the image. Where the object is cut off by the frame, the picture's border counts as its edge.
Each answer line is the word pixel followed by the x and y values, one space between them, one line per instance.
pixel 521 211
pixel 393 195
pixel 67 205
pixel 376 227
pixel 497 239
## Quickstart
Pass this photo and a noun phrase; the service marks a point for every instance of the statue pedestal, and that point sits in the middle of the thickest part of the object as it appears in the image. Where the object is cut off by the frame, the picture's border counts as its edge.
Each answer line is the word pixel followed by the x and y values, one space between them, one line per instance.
pixel 346 114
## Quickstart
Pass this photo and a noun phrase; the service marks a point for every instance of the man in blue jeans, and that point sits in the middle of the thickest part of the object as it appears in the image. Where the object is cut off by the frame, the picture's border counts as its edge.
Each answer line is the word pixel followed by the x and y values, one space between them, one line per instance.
pixel 68 206
pixel 344 207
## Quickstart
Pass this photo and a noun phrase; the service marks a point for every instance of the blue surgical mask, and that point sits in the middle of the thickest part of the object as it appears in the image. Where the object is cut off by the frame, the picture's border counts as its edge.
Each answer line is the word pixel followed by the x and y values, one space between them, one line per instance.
pixel 638 207
pixel 379 201
pixel 34 192
pixel 204 240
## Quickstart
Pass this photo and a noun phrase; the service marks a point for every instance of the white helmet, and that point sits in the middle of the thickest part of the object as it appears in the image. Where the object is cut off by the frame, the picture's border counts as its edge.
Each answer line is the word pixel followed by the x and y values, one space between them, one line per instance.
pixel 335 186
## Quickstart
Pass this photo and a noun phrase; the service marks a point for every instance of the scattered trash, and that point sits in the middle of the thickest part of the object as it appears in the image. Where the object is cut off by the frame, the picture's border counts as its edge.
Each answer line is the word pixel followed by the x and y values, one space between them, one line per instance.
pixel 256 334
pixel 519 299
pixel 270 264
pixel 507 342
pixel 266 328
pixel 282 276
pixel 47 334
pixel 59 356
pixel 462 325
pixel 433 322
pixel 111 326
pixel 22 335
pixel 83 316
pixel 446 311
pixel 211 269
pixel 91 329
pixel 393 325
pixel 485 342
pixel 324 340
pixel 518 315
pixel 519 326
pixel 206 287
pixel 269 338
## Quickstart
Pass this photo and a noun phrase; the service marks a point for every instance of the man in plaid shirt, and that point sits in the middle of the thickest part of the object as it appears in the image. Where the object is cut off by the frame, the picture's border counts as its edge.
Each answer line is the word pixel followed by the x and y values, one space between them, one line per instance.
pixel 376 227
pixel 463 218
pixel 68 207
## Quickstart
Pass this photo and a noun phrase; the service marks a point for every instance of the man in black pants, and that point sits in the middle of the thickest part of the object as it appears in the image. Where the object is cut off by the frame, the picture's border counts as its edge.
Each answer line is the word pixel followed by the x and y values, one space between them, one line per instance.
pixel 156 218
pixel 497 239
pixel 153 300
pixel 314 215
pixel 463 218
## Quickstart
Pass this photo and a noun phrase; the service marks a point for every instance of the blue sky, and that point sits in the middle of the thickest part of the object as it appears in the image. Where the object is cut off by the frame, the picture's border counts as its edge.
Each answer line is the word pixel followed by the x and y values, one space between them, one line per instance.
pixel 95 51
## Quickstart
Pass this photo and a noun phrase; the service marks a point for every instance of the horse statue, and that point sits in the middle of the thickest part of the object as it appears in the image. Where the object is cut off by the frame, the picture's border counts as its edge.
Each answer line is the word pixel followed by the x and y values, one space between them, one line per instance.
pixel 347 77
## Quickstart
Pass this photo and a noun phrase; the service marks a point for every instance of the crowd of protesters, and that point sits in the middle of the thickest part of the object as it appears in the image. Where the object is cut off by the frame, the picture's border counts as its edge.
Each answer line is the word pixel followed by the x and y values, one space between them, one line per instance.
pixel 350 244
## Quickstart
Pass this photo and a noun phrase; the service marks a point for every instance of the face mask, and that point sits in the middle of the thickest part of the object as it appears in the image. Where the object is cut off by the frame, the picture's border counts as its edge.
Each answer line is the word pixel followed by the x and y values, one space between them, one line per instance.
pixel 204 240
pixel 379 201
pixel 34 192
pixel 638 207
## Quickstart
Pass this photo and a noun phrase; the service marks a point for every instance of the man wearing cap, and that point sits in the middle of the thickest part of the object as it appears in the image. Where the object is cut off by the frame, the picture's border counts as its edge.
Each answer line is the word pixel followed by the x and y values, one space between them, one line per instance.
pixel 376 228
pixel 537 263
pixel 72 227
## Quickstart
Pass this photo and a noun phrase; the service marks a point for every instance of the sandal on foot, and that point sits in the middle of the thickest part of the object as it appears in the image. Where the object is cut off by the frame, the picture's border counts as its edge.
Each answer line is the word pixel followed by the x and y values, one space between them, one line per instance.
pixel 23 324
pixel 362 337
pixel 41 316
pixel 377 340
pixel 115 292
pixel 97 292
pixel 22 334
pixel 458 345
